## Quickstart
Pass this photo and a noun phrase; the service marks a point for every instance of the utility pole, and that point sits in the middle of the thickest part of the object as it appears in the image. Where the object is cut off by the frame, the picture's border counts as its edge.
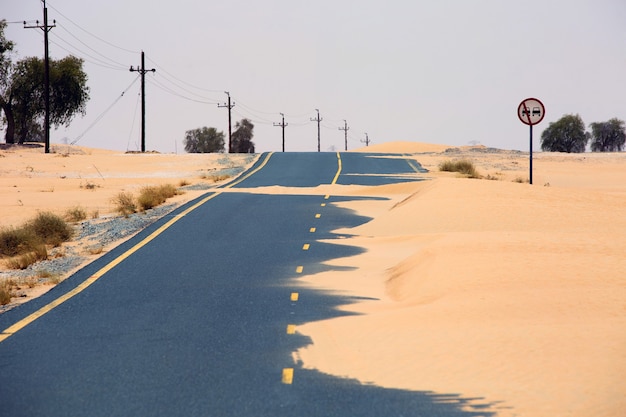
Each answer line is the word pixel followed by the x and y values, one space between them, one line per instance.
pixel 230 125
pixel 143 71
pixel 282 124
pixel 345 129
pixel 366 141
pixel 318 120
pixel 45 29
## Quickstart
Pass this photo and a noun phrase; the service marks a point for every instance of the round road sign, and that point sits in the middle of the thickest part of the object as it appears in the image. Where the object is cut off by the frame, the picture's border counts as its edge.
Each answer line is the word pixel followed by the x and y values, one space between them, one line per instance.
pixel 531 111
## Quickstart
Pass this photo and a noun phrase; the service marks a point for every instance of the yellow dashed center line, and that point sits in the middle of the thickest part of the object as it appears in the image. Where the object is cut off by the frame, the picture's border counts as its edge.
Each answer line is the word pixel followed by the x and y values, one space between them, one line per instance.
pixel 287 376
pixel 318 215
pixel 299 269
pixel 291 329
pixel 312 230
pixel 294 296
pixel 306 246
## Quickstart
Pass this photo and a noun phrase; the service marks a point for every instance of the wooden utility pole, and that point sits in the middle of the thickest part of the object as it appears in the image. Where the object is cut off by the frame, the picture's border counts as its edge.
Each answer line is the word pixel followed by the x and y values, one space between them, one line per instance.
pixel 366 141
pixel 230 125
pixel 318 120
pixel 345 129
pixel 143 71
pixel 45 29
pixel 282 124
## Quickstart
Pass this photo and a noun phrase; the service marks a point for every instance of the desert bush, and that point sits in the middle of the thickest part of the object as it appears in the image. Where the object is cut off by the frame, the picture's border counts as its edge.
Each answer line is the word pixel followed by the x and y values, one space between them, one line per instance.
pixel 24 260
pixel 216 177
pixel 462 166
pixel 50 228
pixel 125 204
pixel 14 241
pixel 76 214
pixel 153 196
pixel 5 292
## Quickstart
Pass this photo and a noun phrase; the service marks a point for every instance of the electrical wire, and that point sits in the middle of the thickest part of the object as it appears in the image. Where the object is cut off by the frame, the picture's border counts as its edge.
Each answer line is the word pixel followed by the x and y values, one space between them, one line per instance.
pixel 168 90
pixel 161 69
pixel 91 34
pixel 132 125
pixel 79 137
pixel 91 59
pixel 122 66
pixel 204 99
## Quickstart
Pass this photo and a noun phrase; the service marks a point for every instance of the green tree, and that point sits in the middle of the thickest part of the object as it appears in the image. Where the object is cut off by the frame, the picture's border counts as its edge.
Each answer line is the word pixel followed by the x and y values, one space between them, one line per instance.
pixel 22 92
pixel 565 135
pixel 608 136
pixel 68 95
pixel 204 140
pixel 6 65
pixel 242 137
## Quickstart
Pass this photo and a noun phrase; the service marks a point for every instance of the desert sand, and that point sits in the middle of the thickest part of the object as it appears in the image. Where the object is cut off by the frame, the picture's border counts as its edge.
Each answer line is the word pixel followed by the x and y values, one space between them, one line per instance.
pixel 494 289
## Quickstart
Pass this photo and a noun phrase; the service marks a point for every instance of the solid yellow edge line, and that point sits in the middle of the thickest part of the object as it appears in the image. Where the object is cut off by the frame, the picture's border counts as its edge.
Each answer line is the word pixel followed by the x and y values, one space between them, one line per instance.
pixel 338 169
pixel 11 330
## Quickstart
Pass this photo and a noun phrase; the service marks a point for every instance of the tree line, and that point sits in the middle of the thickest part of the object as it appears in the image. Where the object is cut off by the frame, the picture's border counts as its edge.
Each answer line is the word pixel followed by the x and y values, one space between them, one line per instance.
pixel 210 140
pixel 568 134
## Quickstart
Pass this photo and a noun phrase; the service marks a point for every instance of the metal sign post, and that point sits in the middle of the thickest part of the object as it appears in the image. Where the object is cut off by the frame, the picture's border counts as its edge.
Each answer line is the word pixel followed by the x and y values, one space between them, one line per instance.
pixel 531 111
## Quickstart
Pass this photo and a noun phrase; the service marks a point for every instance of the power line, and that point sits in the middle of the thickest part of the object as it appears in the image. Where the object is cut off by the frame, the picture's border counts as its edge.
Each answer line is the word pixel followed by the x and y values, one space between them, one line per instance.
pixel 82 54
pixel 168 90
pixel 282 124
pixel 46 28
pixel 92 35
pixel 230 126
pixel 318 119
pixel 367 140
pixel 88 47
pixel 142 71
pixel 161 69
pixel 79 137
pixel 345 129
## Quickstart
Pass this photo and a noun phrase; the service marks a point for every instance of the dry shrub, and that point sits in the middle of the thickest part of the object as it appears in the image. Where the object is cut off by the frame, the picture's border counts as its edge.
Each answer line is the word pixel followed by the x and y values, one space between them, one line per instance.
pixel 76 214
pixel 5 292
pixel 219 177
pixel 24 260
pixel 125 204
pixel 462 166
pixel 50 228
pixel 153 196
pixel 14 241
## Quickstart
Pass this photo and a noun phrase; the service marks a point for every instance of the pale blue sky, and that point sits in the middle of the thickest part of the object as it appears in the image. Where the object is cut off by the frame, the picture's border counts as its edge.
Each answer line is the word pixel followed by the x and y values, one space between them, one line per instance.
pixel 450 71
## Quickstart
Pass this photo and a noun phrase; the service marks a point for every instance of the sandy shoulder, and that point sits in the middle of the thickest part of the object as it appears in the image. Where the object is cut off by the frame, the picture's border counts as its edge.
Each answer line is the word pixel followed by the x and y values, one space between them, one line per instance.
pixel 76 177
pixel 489 289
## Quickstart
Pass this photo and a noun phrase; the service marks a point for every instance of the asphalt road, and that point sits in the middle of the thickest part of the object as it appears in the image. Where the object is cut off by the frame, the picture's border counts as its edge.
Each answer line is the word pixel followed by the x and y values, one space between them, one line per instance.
pixel 195 316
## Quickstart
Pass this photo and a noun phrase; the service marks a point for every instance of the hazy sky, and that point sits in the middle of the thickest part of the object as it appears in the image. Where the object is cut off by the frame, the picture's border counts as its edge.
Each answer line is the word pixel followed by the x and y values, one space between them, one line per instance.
pixel 447 71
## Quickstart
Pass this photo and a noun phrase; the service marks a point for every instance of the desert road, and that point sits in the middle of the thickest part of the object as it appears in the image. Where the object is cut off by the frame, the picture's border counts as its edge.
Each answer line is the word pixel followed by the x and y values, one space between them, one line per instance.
pixel 198 314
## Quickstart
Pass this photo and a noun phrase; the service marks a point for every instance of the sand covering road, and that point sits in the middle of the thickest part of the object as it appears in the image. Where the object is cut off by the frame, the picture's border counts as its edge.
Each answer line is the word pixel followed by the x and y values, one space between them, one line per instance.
pixel 494 289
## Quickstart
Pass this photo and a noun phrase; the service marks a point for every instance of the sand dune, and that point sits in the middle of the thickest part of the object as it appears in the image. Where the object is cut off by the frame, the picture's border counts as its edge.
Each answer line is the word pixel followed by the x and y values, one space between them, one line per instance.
pixel 492 289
